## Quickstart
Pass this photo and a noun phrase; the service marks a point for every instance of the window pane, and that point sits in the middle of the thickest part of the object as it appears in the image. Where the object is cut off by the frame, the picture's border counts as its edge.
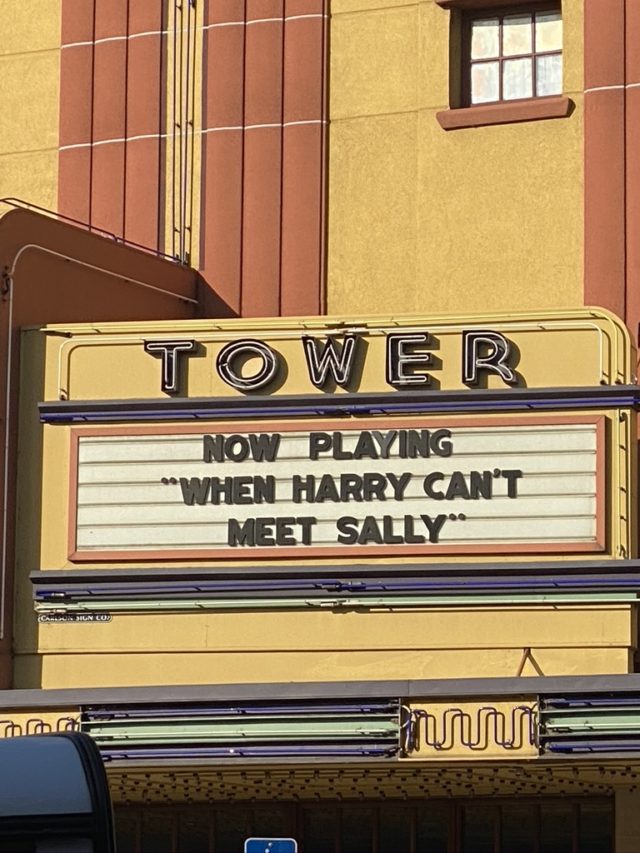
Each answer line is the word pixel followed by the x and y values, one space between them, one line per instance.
pixel 270 822
pixel 517 32
pixel 126 832
pixel 595 828
pixel 157 832
pixel 549 74
pixel 193 832
pixel 357 830
pixel 485 38
pixel 432 828
pixel 548 31
pixel 320 825
pixel 232 826
pixel 518 829
pixel 485 85
pixel 478 829
pixel 517 80
pixel 394 830
pixel 556 829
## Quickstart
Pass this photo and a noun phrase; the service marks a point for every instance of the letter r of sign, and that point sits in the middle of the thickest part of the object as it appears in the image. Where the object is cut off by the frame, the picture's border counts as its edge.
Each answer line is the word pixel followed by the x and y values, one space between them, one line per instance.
pixel 485 350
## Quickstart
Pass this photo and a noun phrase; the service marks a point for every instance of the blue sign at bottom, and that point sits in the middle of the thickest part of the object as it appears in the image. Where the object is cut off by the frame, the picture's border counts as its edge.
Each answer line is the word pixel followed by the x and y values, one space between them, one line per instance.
pixel 270 845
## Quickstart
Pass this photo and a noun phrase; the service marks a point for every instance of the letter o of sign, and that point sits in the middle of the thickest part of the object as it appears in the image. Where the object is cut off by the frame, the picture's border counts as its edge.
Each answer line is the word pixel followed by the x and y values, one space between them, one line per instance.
pixel 229 353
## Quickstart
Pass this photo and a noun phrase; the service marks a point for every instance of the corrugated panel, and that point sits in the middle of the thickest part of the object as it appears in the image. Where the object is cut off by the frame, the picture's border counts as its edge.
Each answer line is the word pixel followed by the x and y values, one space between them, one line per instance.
pixel 132 489
pixel 584 724
pixel 74 591
pixel 289 729
pixel 175 605
pixel 151 731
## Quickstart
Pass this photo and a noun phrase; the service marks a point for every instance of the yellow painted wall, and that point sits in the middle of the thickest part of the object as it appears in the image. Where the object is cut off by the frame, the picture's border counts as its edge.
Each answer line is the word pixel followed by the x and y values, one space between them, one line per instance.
pixel 29 96
pixel 426 219
pixel 219 648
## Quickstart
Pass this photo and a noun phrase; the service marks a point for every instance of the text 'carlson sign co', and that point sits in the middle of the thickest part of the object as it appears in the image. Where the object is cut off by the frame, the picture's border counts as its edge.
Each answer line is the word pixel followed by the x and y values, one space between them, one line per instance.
pixel 412 486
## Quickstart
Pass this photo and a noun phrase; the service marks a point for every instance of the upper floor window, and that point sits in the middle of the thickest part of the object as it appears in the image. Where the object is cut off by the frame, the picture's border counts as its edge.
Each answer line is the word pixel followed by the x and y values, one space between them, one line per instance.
pixel 512 54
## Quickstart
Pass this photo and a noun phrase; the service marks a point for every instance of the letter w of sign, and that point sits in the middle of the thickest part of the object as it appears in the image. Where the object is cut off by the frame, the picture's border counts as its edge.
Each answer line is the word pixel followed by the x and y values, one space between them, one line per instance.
pixel 325 358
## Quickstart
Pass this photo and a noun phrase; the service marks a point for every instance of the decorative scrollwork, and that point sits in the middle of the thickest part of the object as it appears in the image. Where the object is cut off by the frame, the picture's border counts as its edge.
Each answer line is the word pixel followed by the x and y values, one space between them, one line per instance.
pixel 37 726
pixel 477 730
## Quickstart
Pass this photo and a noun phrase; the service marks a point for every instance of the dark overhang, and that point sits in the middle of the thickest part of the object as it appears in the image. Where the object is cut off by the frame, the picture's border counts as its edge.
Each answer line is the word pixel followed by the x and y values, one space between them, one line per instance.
pixel 591 717
pixel 136 589
pixel 428 569
pixel 435 689
pixel 339 405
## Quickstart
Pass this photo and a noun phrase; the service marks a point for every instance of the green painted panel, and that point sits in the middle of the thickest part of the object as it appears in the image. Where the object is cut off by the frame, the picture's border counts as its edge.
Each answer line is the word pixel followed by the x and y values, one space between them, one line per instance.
pixel 146 731
pixel 601 722
pixel 177 605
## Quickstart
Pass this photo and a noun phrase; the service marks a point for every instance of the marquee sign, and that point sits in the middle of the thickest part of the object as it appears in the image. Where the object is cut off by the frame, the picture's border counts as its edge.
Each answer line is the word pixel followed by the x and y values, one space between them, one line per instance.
pixel 408 358
pixel 417 486
pixel 327 358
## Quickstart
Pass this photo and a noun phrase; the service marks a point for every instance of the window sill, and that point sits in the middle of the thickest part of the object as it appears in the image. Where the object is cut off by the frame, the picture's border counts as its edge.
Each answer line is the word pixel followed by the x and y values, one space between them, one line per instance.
pixel 533 109
pixel 483 4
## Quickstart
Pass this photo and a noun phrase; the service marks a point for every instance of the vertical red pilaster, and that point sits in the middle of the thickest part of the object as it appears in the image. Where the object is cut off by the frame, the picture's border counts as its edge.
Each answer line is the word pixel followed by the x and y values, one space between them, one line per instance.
pixel 109 128
pixel 262 204
pixel 632 166
pixel 262 219
pixel 144 124
pixel 263 140
pixel 76 109
pixel 303 162
pixel 111 116
pixel 223 150
pixel 604 152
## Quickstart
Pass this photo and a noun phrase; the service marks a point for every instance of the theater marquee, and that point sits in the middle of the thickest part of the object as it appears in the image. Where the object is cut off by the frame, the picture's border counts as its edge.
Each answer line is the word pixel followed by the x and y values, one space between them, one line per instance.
pixel 425 486
pixel 345 440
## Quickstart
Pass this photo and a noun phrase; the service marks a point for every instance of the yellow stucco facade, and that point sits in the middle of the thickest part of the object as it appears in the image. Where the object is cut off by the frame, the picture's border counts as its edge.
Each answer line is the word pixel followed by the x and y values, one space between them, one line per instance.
pixel 473 219
pixel 470 642
pixel 29 100
pixel 227 648
pixel 436 195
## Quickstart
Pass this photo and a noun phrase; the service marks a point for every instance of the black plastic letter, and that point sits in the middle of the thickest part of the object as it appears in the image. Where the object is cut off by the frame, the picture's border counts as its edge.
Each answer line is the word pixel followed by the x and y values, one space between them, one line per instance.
pixel 497 351
pixel 168 352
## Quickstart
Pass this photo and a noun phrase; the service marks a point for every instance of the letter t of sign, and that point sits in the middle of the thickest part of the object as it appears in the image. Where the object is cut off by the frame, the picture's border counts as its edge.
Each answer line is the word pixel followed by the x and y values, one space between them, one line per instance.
pixel 168 352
